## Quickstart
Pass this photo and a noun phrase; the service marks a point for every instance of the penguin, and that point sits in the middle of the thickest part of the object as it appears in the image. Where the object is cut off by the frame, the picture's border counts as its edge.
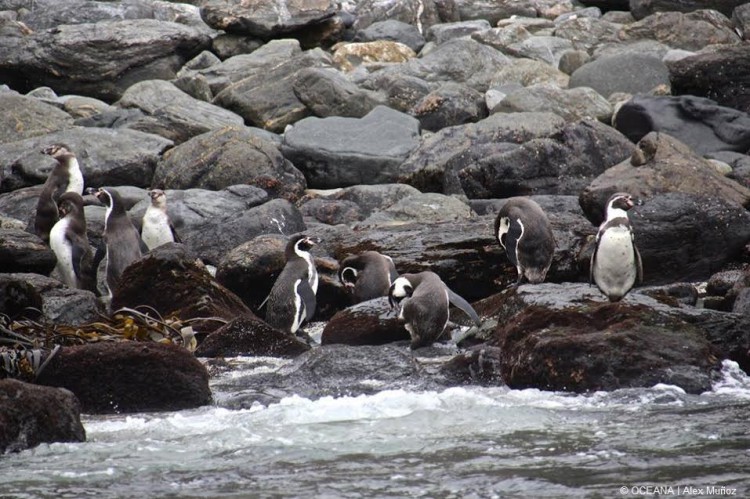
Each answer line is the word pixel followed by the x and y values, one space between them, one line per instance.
pixel 121 238
pixel 75 259
pixel 157 228
pixel 66 176
pixel 367 275
pixel 523 230
pixel 424 300
pixel 292 298
pixel 616 263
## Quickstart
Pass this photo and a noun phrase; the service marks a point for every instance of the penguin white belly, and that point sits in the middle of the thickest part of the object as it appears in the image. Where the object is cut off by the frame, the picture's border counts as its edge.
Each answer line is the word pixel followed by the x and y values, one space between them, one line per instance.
pixel 156 230
pixel 75 183
pixel 615 267
pixel 64 253
pixel 299 308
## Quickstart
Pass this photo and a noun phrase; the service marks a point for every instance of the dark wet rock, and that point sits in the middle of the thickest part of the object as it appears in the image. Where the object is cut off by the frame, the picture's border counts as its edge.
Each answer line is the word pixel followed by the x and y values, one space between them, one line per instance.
pixel 123 53
pixel 42 298
pixel 332 211
pixel 172 282
pixel 392 30
pixel 402 91
pixel 703 124
pixel 424 13
pixel 451 104
pixel 441 33
pixel 31 415
pixel 250 336
pixel 692 31
pixel 587 33
pixel 629 73
pixel 660 164
pixel 25 117
pixel 229 156
pixel 326 92
pixel 682 292
pixel 264 19
pixel 721 74
pixel 372 322
pixel 266 98
pixel 124 377
pixel 722 282
pixel 642 8
pixel 572 104
pixel 21 251
pixel 107 157
pixel 212 240
pixel 561 163
pixel 339 152
pixel 178 116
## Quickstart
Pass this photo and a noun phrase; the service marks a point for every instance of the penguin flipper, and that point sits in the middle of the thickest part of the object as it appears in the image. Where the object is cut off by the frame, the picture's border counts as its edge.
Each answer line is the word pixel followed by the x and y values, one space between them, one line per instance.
pixel 308 298
pixel 175 236
pixel 638 265
pixel 143 247
pixel 464 305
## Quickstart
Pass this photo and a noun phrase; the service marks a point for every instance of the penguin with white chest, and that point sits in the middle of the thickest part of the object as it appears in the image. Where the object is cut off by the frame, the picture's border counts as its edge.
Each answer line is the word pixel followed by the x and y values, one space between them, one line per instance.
pixel 157 228
pixel 424 300
pixel 523 230
pixel 616 263
pixel 368 275
pixel 66 176
pixel 75 259
pixel 121 238
pixel 292 299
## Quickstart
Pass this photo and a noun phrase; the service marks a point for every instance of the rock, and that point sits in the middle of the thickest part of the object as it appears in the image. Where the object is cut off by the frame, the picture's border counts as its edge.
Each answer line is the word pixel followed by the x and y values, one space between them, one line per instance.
pixel 528 72
pixel 21 251
pixel 741 19
pixel 225 157
pixel 167 378
pixel 441 33
pixel 372 198
pixel 425 208
pixel 25 117
pixel 348 56
pixel 402 91
pixel 265 19
pixel 572 104
pixel 172 282
pixel 124 52
pixel 213 239
pixel 331 211
pixel 721 75
pixel 643 8
pixel 562 163
pixel 372 322
pixel 691 31
pixel 228 45
pixel 703 124
pixel 630 73
pixel 546 49
pixel 661 164
pixel 80 107
pixel 587 33
pixel 420 13
pixel 42 298
pixel 107 157
pixel 31 415
pixel 326 92
pixel 338 152
pixel 494 12
pixel 250 336
pixel 451 104
pixel 394 31
pixel 267 98
pixel 179 116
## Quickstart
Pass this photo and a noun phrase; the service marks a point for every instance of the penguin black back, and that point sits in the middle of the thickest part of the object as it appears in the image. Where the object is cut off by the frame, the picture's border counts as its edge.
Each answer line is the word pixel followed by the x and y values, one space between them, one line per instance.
pixel 65 176
pixel 368 275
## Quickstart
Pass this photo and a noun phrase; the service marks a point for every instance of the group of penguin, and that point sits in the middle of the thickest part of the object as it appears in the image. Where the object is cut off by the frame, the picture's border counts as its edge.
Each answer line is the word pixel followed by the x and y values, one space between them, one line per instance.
pixel 422 299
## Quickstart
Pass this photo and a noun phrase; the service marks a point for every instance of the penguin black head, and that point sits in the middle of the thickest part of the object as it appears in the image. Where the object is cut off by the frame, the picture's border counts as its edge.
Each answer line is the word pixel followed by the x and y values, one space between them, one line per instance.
pixel 618 204
pixel 69 202
pixel 102 194
pixel 158 197
pixel 299 244
pixel 58 151
pixel 400 289
pixel 348 276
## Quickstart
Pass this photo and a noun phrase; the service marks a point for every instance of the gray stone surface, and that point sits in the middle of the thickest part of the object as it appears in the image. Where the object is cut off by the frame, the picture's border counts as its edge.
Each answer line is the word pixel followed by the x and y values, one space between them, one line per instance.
pixel 629 73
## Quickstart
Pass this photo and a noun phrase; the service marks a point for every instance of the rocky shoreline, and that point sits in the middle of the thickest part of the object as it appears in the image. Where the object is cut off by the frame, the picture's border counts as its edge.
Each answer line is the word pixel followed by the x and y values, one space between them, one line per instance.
pixel 399 127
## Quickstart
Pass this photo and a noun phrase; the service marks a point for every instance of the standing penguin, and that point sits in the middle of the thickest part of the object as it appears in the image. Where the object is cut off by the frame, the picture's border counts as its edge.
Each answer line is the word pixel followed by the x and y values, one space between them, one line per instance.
pixel 292 298
pixel 522 228
pixel 123 243
pixel 66 176
pixel 616 263
pixel 368 275
pixel 424 299
pixel 75 260
pixel 157 228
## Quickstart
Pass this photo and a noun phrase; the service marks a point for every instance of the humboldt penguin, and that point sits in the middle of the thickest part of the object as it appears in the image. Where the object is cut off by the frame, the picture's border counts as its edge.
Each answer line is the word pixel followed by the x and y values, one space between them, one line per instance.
pixel 424 300
pixel 157 228
pixel 616 264
pixel 75 260
pixel 292 298
pixel 121 238
pixel 368 275
pixel 523 230
pixel 66 176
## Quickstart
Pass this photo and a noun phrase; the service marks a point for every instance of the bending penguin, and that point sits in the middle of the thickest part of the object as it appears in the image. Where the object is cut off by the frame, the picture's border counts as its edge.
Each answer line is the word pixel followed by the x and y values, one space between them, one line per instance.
pixel 75 260
pixel 616 264
pixel 66 176
pixel 292 298
pixel 157 228
pixel 123 243
pixel 368 275
pixel 424 300
pixel 523 230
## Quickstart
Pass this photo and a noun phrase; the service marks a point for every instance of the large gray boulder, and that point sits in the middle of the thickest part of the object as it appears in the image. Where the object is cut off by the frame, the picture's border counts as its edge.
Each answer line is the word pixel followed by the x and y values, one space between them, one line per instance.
pixel 627 72
pixel 572 104
pixel 692 31
pixel 644 8
pixel 25 117
pixel 264 19
pixel 339 152
pixel 451 104
pixel 326 92
pixel 21 251
pixel 392 30
pixel 418 12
